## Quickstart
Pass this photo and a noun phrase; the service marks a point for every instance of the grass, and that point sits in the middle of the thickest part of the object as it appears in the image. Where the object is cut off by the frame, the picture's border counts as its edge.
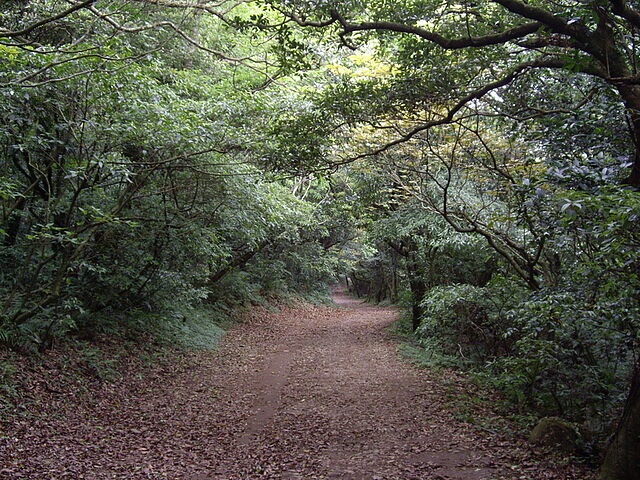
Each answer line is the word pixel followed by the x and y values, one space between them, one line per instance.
pixel 199 328
pixel 8 387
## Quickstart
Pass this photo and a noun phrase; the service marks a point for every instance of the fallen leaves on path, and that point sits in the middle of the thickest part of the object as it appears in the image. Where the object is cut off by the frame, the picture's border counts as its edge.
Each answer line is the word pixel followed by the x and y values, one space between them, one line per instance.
pixel 308 392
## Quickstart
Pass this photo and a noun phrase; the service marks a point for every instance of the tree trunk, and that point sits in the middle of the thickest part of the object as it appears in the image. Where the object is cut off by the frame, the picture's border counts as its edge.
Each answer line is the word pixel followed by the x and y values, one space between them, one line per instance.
pixel 631 97
pixel 14 222
pixel 622 461
pixel 418 291
pixel 634 175
pixel 237 262
pixel 393 287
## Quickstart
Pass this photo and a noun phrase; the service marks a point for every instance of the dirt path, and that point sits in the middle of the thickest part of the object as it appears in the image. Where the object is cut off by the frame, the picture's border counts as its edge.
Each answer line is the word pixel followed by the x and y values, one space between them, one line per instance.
pixel 313 393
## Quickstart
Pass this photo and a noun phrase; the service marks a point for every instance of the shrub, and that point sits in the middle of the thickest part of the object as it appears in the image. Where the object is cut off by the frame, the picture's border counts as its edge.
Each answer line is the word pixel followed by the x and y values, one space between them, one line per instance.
pixel 571 357
pixel 468 320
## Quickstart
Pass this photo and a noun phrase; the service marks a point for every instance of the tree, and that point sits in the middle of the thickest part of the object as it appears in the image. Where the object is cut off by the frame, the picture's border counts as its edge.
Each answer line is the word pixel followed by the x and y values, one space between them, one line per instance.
pixel 130 167
pixel 494 44
pixel 142 140
pixel 457 63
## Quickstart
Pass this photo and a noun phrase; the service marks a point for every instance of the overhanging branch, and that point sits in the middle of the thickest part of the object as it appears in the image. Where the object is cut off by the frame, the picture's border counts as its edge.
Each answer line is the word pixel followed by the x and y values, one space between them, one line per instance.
pixel 464 101
pixel 444 42
pixel 65 13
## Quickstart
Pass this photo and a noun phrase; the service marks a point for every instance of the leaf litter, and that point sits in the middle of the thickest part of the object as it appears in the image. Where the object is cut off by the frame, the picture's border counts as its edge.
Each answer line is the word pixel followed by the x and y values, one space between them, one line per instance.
pixel 307 392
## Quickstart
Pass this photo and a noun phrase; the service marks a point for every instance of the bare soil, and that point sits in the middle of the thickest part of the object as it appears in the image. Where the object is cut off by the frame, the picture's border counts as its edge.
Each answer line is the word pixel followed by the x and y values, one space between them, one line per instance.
pixel 306 392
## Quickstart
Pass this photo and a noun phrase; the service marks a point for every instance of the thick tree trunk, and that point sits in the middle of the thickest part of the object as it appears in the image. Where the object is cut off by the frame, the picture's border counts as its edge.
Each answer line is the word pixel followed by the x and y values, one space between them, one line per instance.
pixel 622 461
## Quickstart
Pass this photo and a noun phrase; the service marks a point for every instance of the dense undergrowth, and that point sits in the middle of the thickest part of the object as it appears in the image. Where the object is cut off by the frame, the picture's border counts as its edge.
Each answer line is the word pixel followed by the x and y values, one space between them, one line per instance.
pixel 534 355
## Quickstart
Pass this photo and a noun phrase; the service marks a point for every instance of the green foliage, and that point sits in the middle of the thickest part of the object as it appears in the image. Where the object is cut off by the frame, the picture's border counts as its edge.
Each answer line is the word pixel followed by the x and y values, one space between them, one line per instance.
pixel 423 352
pixel 153 180
pixel 7 382
pixel 197 328
pixel 576 342
pixel 469 321
pixel 130 178
pixel 571 356
pixel 98 364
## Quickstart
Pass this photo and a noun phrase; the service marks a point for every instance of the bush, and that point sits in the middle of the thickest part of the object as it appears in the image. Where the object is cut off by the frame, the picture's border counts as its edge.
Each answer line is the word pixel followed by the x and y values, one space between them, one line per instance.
pixel 468 320
pixel 571 357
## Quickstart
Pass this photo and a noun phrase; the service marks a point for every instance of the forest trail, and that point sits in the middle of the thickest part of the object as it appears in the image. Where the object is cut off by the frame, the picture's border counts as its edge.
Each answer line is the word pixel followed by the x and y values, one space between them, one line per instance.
pixel 303 393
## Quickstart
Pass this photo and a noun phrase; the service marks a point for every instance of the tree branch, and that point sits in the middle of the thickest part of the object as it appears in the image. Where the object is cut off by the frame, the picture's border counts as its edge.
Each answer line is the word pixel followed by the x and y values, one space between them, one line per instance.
pixel 444 42
pixel 622 10
pixel 167 24
pixel 557 24
pixel 74 8
pixel 474 95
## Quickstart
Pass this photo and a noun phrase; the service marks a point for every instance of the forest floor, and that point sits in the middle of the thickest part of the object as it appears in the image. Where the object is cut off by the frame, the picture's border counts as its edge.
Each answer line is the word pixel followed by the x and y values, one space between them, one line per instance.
pixel 307 392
